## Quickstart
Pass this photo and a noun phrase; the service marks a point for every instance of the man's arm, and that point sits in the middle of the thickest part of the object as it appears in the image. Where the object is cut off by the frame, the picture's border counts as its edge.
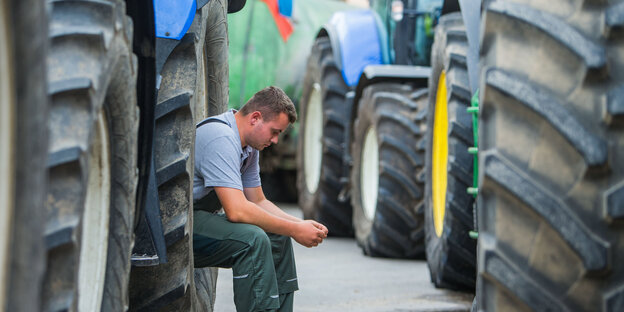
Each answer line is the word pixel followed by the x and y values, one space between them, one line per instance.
pixel 240 210
pixel 256 196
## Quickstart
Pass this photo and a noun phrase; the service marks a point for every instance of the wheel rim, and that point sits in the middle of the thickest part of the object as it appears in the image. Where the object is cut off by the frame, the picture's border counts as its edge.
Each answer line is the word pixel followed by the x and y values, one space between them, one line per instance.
pixel 95 222
pixel 6 138
pixel 440 155
pixel 313 136
pixel 369 173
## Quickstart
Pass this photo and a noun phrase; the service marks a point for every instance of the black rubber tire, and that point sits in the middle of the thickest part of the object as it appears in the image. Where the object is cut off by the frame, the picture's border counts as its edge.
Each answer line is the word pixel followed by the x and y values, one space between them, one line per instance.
pixel 25 40
pixel 194 83
pixel 235 5
pixel 397 114
pixel 214 43
pixel 323 204
pixel 278 169
pixel 551 155
pixel 280 186
pixel 451 256
pixel 206 289
pixel 91 70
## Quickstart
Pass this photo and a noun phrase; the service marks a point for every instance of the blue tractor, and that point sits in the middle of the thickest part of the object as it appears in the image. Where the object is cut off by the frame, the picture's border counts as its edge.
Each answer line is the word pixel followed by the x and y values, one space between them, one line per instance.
pixel 99 103
pixel 363 127
pixel 484 135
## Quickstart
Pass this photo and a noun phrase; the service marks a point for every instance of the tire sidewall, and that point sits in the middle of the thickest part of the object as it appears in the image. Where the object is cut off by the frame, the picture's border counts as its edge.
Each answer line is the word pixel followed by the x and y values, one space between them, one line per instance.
pixel 122 117
pixel 215 49
pixel 308 202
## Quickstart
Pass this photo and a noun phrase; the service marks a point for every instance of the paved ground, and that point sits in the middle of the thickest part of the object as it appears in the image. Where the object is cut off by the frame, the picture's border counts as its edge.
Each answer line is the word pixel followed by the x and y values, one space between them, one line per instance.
pixel 337 277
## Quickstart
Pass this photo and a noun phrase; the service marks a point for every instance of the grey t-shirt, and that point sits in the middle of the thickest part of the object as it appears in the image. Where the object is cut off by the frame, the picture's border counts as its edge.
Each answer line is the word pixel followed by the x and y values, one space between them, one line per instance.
pixel 220 160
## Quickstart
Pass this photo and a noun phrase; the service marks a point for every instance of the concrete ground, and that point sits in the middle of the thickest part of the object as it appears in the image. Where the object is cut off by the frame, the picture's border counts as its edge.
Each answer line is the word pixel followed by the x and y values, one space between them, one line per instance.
pixel 337 277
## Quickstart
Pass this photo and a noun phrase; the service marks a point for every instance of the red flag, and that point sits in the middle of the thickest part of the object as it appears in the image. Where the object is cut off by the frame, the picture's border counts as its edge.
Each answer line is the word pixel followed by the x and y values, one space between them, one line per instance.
pixel 284 26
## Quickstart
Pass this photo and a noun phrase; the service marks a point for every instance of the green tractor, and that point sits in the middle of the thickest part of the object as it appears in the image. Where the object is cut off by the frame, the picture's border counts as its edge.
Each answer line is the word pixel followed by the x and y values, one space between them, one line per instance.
pixel 551 156
pixel 505 165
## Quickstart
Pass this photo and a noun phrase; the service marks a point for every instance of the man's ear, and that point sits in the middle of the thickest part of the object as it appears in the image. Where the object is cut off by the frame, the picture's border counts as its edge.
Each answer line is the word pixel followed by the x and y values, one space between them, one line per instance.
pixel 255 117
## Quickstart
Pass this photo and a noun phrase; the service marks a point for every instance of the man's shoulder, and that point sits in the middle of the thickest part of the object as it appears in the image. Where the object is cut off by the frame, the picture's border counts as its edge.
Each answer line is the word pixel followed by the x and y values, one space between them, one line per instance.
pixel 216 134
pixel 214 127
pixel 223 118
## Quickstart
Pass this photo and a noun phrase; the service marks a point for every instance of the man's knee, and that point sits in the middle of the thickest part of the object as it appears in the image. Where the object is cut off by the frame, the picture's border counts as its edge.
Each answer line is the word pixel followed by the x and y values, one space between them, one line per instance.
pixel 257 238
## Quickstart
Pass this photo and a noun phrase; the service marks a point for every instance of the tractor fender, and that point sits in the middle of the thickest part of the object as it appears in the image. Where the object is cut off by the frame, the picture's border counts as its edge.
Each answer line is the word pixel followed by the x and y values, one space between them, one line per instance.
pixel 173 18
pixel 358 39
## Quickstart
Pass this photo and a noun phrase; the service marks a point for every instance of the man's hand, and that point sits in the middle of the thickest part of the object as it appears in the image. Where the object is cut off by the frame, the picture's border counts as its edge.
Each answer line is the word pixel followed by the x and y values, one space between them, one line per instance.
pixel 319 226
pixel 309 233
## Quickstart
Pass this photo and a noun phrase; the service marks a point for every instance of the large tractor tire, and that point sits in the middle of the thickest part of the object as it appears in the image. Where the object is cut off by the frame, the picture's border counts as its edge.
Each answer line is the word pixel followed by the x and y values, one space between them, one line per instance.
pixel 551 154
pixel 194 83
pixel 322 142
pixel 387 180
pixel 448 206
pixel 92 154
pixel 23 141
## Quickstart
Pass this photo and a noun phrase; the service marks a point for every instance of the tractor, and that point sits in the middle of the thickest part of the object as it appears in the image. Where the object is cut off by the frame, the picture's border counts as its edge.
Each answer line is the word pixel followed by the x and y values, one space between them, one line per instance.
pixel 499 158
pixel 99 105
pixel 363 129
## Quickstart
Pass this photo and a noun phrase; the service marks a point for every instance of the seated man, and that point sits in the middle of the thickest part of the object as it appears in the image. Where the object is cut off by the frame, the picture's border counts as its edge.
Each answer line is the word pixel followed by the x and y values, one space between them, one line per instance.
pixel 253 236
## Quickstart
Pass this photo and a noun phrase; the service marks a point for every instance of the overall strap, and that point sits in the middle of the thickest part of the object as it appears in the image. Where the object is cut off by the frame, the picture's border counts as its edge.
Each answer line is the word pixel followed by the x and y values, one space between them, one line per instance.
pixel 209 203
pixel 209 120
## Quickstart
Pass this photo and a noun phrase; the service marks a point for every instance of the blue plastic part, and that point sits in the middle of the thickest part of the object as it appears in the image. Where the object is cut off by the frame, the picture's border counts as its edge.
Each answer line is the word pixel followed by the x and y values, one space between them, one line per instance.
pixel 173 17
pixel 358 37
pixel 285 7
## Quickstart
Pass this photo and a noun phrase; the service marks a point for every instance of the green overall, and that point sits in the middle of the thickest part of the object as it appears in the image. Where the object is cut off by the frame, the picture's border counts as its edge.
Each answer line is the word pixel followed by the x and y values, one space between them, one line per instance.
pixel 263 264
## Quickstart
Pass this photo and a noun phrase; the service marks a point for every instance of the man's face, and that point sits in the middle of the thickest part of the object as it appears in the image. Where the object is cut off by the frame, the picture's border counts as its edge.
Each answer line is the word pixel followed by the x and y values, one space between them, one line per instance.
pixel 265 133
